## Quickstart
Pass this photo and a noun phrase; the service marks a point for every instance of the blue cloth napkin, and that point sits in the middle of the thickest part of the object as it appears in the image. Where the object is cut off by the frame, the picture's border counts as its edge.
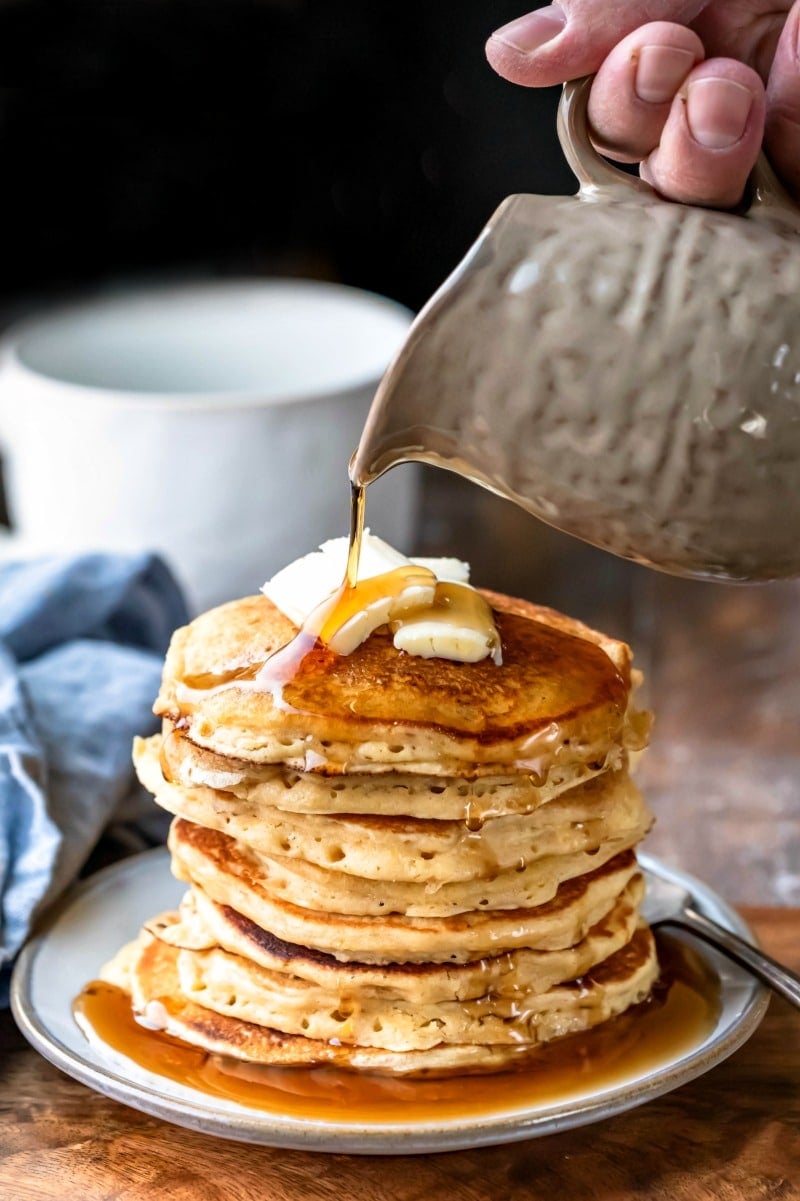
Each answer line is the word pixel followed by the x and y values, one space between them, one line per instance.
pixel 82 641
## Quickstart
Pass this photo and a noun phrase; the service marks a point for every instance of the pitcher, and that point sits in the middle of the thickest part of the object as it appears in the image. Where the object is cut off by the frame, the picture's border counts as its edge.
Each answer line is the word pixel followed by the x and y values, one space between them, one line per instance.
pixel 624 367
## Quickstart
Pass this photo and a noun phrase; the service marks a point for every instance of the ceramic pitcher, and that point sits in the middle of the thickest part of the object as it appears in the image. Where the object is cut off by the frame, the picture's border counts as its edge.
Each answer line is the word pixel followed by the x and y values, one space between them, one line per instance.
pixel 624 367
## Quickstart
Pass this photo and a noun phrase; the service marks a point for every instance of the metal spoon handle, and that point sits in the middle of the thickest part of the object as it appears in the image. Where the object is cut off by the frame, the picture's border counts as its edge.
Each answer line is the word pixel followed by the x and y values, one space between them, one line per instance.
pixel 779 978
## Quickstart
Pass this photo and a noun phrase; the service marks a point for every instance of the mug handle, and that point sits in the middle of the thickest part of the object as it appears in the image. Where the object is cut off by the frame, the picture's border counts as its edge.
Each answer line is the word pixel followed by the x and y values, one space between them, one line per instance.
pixel 766 196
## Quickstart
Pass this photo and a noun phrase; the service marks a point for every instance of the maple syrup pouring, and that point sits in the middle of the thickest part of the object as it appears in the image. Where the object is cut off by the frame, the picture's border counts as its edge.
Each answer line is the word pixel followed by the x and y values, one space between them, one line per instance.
pixel 358 505
pixel 274 673
pixel 678 1016
pixel 449 603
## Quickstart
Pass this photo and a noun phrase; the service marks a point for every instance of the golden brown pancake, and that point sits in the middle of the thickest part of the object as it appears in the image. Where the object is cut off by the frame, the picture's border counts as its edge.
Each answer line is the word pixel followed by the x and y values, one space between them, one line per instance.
pixel 200 858
pixel 561 696
pixel 202 925
pixel 236 987
pixel 397 793
pixel 306 885
pixel 384 848
pixel 149 970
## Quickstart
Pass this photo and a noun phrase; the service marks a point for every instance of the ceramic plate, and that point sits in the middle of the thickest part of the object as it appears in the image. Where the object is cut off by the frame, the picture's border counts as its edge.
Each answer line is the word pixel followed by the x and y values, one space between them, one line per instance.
pixel 104 912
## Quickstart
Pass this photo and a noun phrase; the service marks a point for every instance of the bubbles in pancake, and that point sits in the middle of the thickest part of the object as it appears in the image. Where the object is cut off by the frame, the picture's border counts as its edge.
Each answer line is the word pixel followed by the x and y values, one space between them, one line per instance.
pixel 395 865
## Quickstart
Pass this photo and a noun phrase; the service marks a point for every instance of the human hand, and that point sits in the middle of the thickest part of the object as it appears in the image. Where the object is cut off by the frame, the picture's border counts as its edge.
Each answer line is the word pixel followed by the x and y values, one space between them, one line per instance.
pixel 694 123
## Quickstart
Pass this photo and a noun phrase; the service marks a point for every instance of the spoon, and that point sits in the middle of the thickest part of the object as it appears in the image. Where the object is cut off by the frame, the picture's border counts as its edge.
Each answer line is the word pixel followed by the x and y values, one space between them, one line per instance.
pixel 669 904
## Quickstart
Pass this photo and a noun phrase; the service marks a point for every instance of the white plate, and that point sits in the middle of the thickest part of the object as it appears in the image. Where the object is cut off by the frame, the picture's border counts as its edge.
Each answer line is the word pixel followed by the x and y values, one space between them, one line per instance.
pixel 98 916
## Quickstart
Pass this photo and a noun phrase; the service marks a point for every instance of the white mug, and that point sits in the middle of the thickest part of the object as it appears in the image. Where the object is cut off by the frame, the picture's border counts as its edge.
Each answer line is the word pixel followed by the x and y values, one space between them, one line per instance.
pixel 211 422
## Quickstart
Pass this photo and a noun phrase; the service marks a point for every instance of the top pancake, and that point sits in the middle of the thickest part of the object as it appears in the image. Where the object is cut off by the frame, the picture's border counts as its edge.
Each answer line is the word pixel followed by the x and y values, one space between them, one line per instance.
pixel 560 696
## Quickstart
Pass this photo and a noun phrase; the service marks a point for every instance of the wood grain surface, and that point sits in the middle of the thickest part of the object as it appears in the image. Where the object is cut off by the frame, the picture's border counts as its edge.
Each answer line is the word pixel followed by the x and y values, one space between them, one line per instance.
pixel 733 1135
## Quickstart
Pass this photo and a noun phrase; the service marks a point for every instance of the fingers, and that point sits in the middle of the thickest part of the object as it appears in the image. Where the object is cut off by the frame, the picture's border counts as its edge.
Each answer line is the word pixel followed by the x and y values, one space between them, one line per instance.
pixel 696 126
pixel 782 136
pixel 634 88
pixel 711 137
pixel 571 38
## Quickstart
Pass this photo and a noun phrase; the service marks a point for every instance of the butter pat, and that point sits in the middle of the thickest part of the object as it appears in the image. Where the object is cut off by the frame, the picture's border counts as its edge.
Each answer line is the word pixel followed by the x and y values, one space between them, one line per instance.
pixel 376 601
pixel 297 590
pixel 458 625
pixel 427 603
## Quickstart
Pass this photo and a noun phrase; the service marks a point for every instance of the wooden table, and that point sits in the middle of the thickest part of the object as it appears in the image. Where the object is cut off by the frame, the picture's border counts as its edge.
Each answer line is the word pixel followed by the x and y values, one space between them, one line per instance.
pixel 733 1135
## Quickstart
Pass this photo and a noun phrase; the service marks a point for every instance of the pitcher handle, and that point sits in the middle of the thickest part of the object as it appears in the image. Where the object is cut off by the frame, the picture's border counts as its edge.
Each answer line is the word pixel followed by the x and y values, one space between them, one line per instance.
pixel 766 196
pixel 592 171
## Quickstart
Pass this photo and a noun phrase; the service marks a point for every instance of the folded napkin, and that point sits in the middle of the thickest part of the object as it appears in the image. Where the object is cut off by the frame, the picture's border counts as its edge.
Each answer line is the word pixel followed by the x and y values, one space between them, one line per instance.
pixel 81 648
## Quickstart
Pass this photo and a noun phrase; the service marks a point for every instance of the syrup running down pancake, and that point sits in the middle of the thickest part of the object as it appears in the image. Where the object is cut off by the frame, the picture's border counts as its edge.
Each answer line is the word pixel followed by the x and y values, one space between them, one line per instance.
pixel 395 864
pixel 561 697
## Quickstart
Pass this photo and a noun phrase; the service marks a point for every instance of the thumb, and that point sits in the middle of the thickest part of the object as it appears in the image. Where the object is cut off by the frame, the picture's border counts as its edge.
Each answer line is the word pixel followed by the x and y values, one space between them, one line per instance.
pixel 571 38
pixel 782 131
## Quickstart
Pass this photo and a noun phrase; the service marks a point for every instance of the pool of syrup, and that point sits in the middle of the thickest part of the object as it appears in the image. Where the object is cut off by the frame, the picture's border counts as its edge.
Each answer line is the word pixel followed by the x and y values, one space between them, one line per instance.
pixel 678 1016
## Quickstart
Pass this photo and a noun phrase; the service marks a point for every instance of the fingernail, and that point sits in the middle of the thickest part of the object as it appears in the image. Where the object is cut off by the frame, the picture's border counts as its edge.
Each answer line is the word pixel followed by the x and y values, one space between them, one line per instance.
pixel 717 111
pixel 530 32
pixel 660 72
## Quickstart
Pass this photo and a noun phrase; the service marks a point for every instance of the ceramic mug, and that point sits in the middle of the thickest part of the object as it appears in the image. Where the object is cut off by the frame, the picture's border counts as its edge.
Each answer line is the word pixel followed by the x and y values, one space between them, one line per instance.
pixel 212 423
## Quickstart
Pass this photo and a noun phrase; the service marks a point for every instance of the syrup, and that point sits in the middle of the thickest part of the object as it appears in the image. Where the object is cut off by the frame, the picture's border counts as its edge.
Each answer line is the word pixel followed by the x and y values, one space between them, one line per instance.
pixel 474 817
pixel 326 630
pixel 358 506
pixel 422 597
pixel 678 1016
pixel 279 668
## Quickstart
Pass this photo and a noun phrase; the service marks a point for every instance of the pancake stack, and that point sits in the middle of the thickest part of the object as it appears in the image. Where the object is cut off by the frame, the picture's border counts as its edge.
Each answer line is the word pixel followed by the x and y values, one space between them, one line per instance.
pixel 394 864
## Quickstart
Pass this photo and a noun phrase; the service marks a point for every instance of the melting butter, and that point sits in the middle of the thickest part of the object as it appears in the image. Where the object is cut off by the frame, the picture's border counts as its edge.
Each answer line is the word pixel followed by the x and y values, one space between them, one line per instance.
pixel 348 618
pixel 456 624
pixel 428 618
pixel 429 606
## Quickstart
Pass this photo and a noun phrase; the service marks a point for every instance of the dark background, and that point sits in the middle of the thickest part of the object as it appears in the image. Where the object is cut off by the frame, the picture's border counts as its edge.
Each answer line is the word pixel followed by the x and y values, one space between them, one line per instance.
pixel 364 141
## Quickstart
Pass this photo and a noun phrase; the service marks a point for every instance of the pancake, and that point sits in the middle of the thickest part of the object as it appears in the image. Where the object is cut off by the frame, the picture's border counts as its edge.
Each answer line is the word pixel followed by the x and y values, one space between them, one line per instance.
pixel 392 794
pixel 235 987
pixel 149 970
pixel 396 865
pixel 561 696
pixel 201 858
pixel 306 885
pixel 379 847
pixel 202 925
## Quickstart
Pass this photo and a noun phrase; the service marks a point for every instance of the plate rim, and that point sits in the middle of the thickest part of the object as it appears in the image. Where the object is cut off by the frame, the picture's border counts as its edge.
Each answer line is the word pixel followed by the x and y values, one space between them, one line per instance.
pixel 395 1137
